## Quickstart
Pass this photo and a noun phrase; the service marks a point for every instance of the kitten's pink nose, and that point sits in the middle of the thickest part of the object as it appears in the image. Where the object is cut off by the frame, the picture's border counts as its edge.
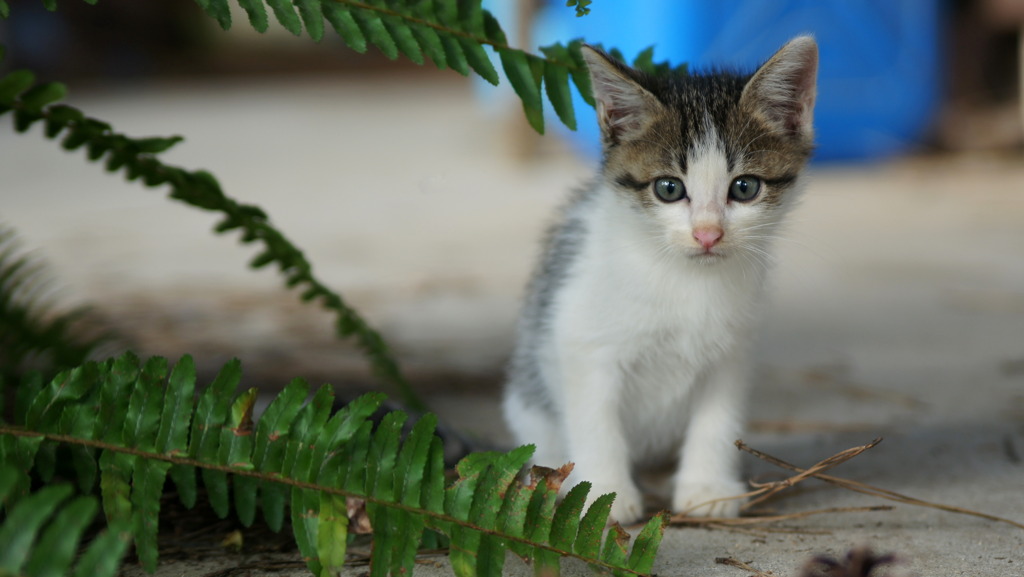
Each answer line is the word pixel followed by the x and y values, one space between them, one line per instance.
pixel 707 236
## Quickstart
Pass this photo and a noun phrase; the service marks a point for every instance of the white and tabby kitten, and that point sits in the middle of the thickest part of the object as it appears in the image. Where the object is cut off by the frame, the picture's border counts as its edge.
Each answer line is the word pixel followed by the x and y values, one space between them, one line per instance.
pixel 632 346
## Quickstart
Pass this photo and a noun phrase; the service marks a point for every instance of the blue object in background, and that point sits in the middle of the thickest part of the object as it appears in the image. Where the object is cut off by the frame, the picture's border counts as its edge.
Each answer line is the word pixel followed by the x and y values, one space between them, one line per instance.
pixel 878 77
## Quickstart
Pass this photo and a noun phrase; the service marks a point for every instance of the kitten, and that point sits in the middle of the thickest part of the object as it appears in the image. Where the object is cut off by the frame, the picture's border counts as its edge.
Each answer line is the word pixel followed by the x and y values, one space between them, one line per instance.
pixel 632 346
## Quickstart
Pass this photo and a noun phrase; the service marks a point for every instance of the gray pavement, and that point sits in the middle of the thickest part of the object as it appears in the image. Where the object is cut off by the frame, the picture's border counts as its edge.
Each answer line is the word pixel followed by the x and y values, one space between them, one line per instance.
pixel 897 308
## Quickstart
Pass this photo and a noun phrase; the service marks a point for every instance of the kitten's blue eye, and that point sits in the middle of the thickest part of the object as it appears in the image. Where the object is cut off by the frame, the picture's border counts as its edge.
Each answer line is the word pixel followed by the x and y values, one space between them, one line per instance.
pixel 745 188
pixel 669 189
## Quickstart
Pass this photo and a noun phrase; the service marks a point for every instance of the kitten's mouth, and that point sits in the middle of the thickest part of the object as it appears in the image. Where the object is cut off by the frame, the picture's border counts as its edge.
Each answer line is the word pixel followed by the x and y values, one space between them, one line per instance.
pixel 707 256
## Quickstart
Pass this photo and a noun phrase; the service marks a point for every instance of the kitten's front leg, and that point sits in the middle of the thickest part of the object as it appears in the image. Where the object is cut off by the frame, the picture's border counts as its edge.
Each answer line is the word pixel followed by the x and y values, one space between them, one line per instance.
pixel 709 462
pixel 597 444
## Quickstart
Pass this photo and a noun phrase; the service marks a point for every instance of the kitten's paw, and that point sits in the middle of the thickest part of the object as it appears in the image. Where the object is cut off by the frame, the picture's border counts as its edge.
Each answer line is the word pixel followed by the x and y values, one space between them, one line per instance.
pixel 709 499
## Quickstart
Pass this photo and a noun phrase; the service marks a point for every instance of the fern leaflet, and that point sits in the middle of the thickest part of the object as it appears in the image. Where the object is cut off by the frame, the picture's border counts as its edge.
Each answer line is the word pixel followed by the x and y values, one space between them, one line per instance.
pixel 41 533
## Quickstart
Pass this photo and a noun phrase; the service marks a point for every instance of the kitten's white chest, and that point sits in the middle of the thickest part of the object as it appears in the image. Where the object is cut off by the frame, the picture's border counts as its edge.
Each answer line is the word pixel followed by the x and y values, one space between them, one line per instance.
pixel 662 320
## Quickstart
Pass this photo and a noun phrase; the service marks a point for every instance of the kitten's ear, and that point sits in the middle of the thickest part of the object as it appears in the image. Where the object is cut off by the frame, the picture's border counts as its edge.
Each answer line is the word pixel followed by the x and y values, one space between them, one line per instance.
pixel 783 89
pixel 624 107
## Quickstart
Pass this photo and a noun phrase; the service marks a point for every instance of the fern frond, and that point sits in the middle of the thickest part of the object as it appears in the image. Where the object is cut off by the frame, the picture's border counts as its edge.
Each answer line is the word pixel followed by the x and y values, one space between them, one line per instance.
pixel 451 33
pixel 31 103
pixel 33 334
pixel 41 533
pixel 325 462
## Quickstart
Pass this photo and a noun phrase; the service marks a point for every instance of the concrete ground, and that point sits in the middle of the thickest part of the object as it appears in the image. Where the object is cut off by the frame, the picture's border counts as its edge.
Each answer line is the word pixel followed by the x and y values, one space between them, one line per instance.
pixel 897 309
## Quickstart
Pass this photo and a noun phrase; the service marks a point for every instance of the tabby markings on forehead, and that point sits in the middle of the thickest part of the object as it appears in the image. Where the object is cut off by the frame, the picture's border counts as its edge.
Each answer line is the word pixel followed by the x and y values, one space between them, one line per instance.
pixel 781 181
pixel 629 181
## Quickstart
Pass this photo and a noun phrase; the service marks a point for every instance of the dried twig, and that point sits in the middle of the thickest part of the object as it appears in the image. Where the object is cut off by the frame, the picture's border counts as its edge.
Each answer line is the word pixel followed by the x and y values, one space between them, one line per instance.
pixel 872 490
pixel 770 489
pixel 682 519
pixel 729 561
pixel 767 490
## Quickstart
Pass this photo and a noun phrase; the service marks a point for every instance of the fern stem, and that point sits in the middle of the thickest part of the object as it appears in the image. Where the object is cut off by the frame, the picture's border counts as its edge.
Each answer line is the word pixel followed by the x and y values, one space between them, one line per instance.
pixel 185 461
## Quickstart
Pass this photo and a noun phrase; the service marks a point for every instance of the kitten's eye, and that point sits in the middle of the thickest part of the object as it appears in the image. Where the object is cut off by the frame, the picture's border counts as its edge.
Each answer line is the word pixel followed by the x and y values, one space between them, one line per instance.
pixel 669 189
pixel 745 188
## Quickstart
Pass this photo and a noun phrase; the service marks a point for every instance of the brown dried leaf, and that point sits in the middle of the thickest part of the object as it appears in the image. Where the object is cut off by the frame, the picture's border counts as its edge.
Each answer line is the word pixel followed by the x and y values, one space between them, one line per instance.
pixel 552 477
pixel 358 519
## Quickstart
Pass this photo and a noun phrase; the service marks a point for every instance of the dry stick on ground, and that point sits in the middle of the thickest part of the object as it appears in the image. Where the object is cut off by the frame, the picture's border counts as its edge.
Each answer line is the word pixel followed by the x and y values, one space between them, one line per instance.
pixel 766 490
pixel 730 562
pixel 871 490
pixel 769 489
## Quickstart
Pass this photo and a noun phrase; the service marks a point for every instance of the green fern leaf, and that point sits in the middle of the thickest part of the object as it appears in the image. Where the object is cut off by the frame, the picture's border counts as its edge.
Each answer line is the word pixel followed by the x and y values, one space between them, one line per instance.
pixel 512 517
pixel 376 33
pixel 268 455
pixel 312 16
pixel 154 145
pixel 147 487
pixel 433 481
pixel 524 72
pixel 380 481
pixel 23 523
pixel 40 95
pixel 257 14
pixel 311 418
pixel 539 518
pixel 45 411
pixel 115 391
pixel 143 417
pixel 115 486
pixel 18 453
pixel 478 60
pixel 284 11
pixel 175 421
pixel 412 464
pixel 430 42
pixel 8 481
pixel 332 534
pixel 592 526
pixel 219 10
pixel 211 413
pixel 404 39
pixel 236 448
pixel 579 72
pixel 12 85
pixel 81 422
pixel 305 527
pixel 454 55
pixel 616 548
pixel 396 533
pixel 40 536
pixel 103 557
pixel 645 547
pixel 5 12
pixel 176 414
pixel 471 15
pixel 567 517
pixel 556 83
pixel 345 26
pixel 645 60
pixel 588 539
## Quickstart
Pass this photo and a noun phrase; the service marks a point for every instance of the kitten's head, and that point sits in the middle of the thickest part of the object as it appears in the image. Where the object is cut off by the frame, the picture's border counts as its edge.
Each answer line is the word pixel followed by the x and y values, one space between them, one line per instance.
pixel 710 158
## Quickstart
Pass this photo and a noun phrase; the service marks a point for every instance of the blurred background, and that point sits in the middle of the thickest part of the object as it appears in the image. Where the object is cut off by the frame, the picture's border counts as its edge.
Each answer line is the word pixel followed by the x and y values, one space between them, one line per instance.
pixel 421 195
